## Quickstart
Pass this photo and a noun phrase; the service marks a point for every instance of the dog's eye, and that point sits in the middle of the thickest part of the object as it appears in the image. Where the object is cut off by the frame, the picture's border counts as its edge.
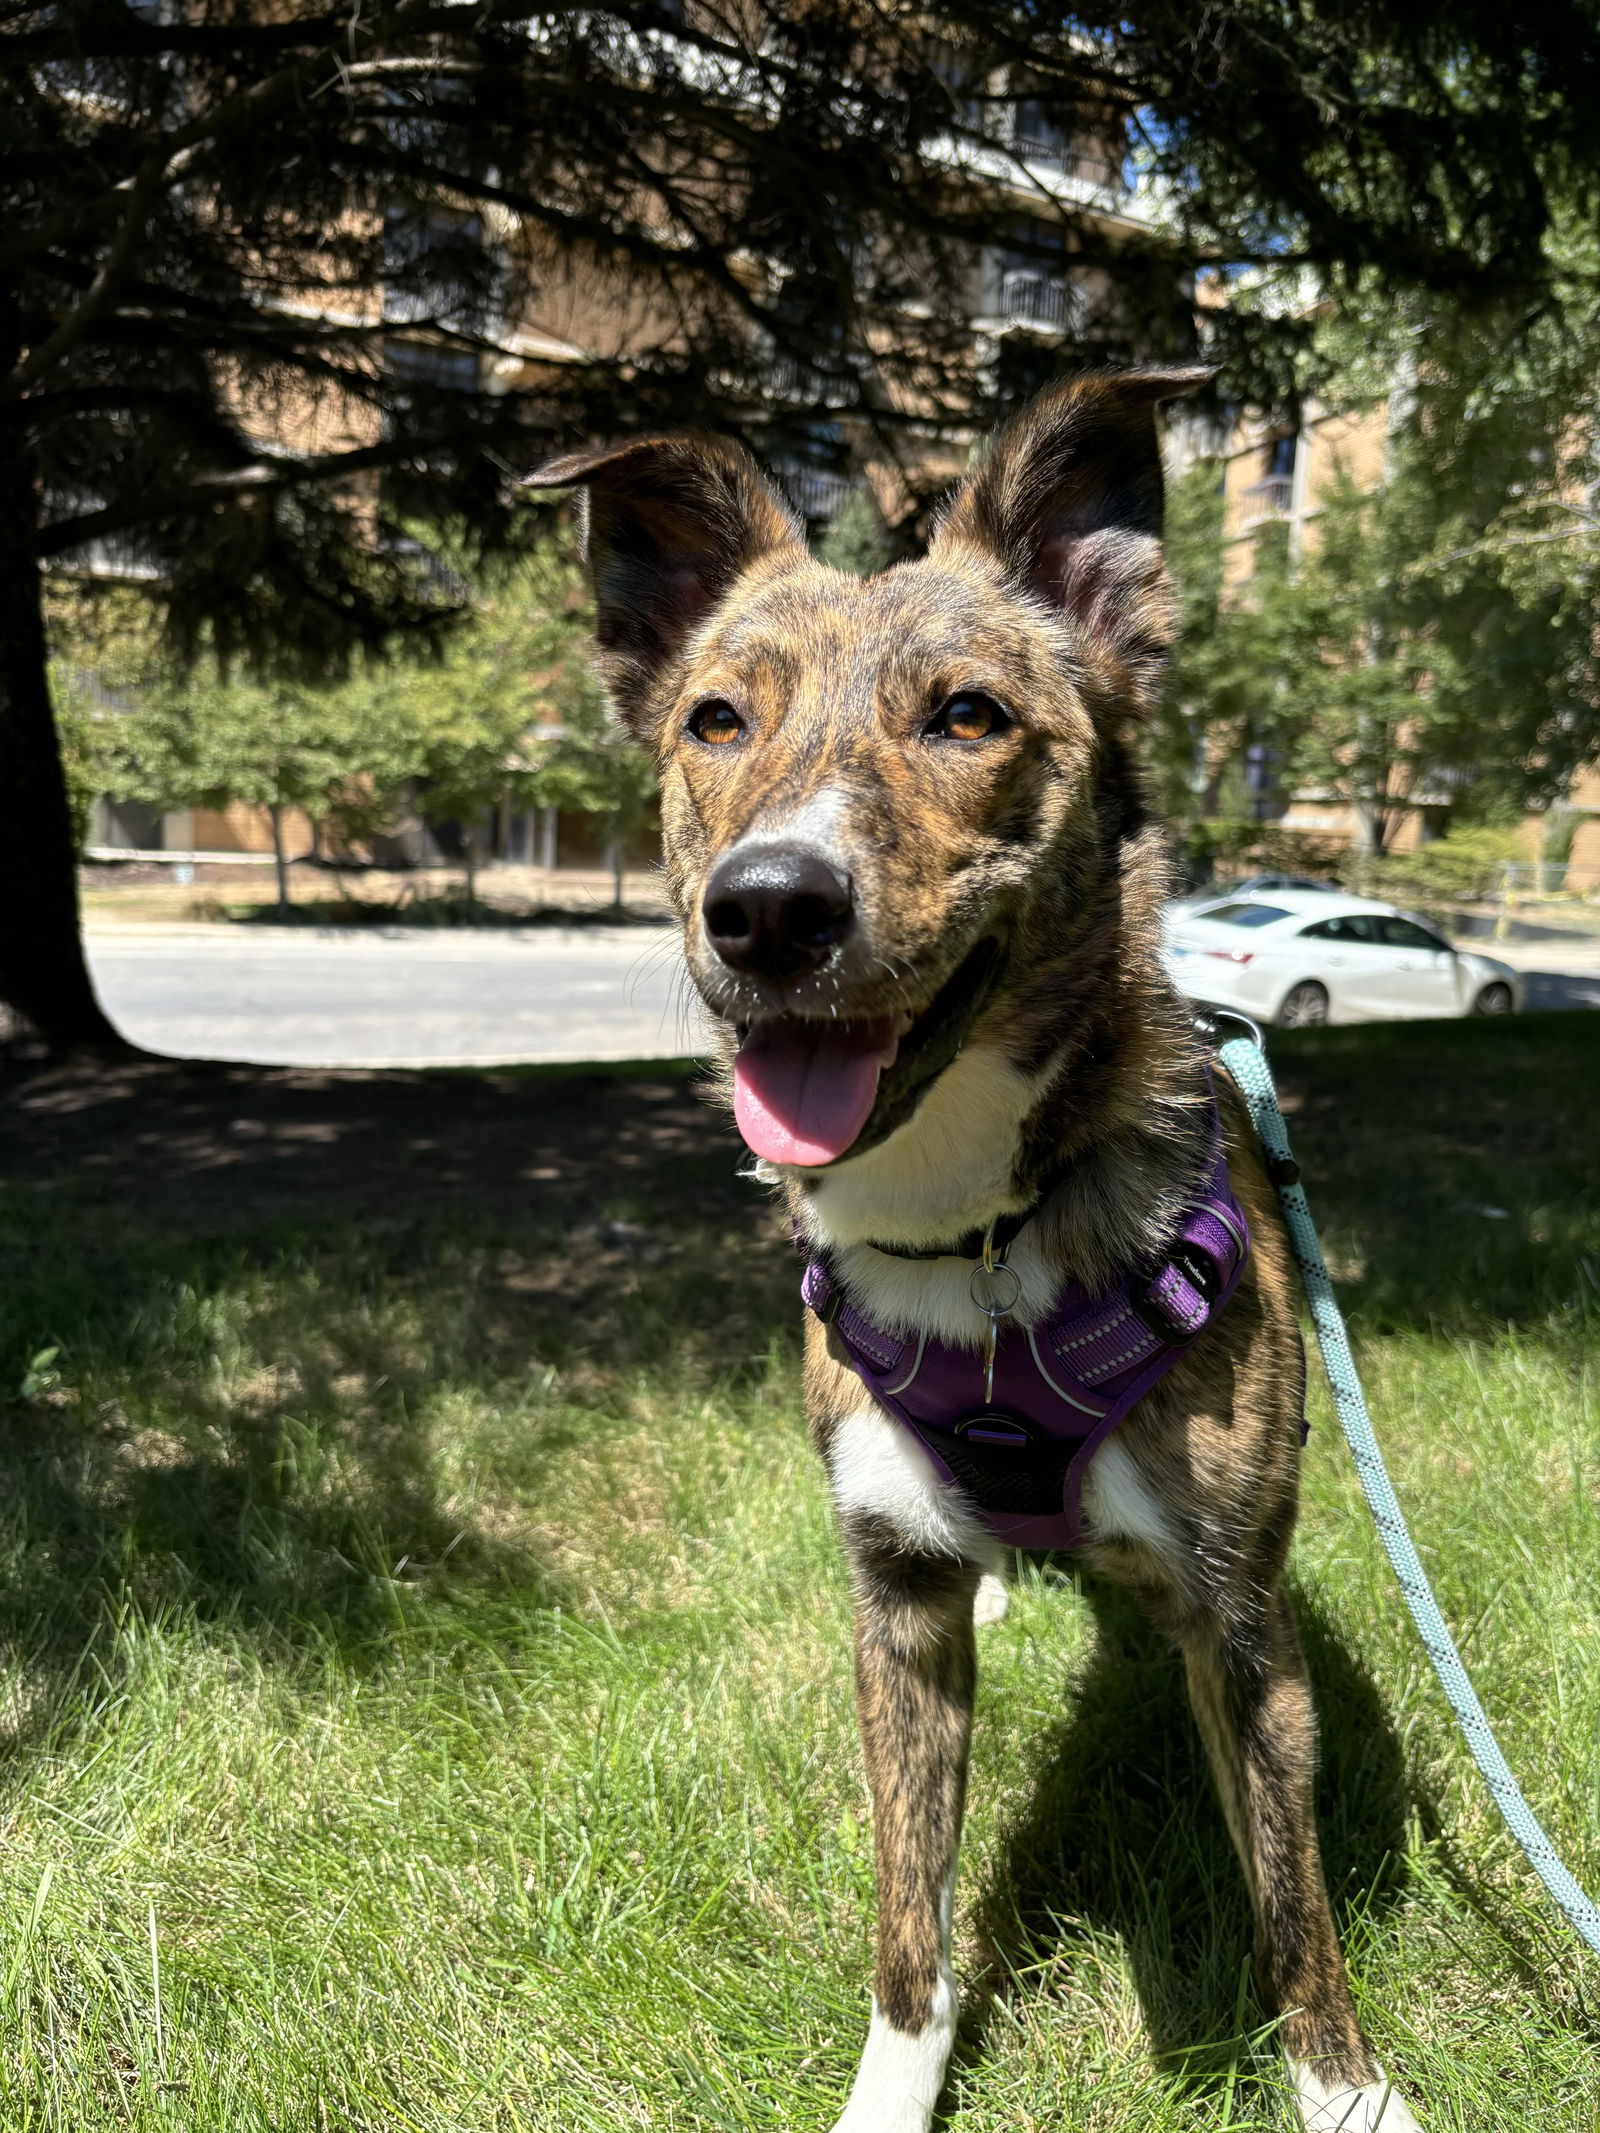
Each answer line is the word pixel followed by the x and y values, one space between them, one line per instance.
pixel 715 722
pixel 971 716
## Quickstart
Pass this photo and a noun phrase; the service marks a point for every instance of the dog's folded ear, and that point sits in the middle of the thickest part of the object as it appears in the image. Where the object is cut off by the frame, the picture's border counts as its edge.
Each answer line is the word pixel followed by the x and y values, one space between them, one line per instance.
pixel 668 524
pixel 1068 502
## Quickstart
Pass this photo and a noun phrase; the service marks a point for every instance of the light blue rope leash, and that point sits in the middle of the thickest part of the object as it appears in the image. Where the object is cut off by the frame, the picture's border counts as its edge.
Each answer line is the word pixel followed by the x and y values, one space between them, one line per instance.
pixel 1246 1062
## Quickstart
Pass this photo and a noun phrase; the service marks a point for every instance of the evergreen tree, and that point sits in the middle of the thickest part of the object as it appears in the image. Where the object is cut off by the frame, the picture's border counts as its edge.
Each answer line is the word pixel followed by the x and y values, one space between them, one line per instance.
pixel 204 201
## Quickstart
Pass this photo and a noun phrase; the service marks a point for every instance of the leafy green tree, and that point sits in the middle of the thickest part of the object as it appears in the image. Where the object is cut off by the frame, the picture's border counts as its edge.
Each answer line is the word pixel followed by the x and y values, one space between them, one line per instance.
pixel 1364 696
pixel 1316 658
pixel 273 744
pixel 857 541
pixel 593 767
pixel 1239 650
pixel 509 704
pixel 1435 635
pixel 1493 534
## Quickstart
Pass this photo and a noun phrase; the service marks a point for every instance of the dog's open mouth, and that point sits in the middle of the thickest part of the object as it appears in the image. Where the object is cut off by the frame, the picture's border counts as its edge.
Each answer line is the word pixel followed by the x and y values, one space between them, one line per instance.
pixel 804 1089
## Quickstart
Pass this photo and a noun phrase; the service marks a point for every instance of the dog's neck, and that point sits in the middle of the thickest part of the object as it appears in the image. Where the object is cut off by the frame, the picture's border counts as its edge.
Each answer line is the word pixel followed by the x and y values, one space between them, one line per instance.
pixel 950 1168
pixel 1106 1140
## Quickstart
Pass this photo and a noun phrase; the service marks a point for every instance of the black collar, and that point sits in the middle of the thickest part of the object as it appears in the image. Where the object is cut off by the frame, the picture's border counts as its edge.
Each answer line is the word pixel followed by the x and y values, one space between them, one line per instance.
pixel 1002 1233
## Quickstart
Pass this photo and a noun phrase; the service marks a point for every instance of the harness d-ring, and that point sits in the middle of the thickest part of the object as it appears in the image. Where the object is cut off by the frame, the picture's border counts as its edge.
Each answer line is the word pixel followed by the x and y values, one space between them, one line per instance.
pixel 996 1290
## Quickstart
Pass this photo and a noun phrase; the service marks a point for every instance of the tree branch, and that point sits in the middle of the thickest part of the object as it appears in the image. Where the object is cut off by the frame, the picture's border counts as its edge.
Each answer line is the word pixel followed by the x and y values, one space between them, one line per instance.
pixel 260 477
pixel 178 152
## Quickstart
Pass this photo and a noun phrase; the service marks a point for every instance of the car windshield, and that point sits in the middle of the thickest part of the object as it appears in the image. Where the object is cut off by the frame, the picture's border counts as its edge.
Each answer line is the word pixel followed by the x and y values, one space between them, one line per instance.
pixel 1245 914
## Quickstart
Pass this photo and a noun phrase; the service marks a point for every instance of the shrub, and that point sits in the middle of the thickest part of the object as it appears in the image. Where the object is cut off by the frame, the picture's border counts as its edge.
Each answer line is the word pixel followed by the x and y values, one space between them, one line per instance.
pixel 1467 864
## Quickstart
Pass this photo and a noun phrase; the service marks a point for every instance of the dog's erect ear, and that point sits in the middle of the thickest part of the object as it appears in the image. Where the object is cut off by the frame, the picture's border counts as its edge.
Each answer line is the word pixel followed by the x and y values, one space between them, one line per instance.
pixel 668 524
pixel 1068 501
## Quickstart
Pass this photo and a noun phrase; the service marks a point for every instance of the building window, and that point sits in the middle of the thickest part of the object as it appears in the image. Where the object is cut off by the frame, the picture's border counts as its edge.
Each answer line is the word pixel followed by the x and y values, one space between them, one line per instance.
pixel 431 365
pixel 1023 366
pixel 436 269
pixel 1272 497
pixel 809 465
pixel 1040 135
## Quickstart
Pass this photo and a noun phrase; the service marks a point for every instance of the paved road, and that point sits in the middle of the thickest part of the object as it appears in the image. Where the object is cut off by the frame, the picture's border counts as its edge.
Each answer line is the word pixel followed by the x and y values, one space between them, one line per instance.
pixel 423 998
pixel 1557 971
pixel 397 998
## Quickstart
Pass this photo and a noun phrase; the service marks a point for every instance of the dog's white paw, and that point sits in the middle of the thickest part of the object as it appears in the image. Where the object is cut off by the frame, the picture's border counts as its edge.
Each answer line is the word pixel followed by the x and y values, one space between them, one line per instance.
pixel 883 2116
pixel 1375 2109
pixel 989 1603
pixel 901 2073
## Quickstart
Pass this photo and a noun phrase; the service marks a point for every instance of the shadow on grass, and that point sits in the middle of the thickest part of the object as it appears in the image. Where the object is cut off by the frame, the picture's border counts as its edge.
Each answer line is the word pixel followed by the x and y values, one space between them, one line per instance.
pixel 260 1284
pixel 1123 1834
pixel 1452 1167
pixel 594 1224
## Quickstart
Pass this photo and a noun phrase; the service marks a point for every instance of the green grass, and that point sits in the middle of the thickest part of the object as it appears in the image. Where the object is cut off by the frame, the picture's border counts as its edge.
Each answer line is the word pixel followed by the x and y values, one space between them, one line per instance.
pixel 427 1687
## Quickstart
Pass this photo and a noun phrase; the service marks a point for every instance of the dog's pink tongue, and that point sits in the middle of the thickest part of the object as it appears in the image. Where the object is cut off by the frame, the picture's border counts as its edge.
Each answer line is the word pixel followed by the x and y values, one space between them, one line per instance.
pixel 802 1091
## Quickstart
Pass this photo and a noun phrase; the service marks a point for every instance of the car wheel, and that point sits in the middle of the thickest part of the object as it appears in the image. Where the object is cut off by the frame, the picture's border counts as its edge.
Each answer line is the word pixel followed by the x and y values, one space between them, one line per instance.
pixel 1493 1000
pixel 1305 1006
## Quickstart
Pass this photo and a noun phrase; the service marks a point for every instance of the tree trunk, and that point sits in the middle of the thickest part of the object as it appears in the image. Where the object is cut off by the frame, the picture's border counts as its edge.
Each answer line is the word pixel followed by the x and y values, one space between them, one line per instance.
pixel 469 852
pixel 614 854
pixel 44 979
pixel 280 860
pixel 1368 841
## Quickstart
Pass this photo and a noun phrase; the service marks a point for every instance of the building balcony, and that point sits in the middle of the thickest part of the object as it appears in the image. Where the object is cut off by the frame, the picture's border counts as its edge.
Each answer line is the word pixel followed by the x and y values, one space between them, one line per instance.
pixel 119 558
pixel 1053 153
pixel 1266 500
pixel 815 492
pixel 1033 299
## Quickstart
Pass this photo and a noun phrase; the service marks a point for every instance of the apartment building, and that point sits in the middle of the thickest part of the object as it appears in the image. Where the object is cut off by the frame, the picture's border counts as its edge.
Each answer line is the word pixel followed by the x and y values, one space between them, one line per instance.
pixel 1276 476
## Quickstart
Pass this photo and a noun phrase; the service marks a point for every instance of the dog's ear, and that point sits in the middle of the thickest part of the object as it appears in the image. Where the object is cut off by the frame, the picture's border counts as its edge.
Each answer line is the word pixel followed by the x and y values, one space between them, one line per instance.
pixel 668 523
pixel 1068 501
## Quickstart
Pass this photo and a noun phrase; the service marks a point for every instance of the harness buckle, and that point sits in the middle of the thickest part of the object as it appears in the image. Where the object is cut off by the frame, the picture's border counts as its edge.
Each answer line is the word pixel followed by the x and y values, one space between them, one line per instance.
pixel 1171 1315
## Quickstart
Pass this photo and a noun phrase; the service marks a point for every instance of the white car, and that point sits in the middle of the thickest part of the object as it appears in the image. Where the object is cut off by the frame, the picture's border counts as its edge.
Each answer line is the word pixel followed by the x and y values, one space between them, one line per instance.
pixel 1299 957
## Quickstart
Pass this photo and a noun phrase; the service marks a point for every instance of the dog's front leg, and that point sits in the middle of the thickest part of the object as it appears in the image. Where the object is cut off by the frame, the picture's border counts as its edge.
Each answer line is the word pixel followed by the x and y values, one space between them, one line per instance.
pixel 914 1682
pixel 1252 1698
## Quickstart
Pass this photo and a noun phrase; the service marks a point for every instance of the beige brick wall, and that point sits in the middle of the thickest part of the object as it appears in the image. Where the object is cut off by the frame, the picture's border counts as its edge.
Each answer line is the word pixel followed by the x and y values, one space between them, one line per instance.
pixel 240 828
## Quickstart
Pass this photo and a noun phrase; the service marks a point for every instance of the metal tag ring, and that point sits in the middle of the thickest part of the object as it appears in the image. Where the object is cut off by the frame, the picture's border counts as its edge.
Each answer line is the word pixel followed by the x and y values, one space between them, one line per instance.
pixel 1004 1290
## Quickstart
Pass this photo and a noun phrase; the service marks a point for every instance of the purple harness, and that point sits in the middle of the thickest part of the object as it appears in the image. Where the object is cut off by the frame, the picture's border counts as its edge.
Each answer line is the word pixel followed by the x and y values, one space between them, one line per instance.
pixel 1060 1387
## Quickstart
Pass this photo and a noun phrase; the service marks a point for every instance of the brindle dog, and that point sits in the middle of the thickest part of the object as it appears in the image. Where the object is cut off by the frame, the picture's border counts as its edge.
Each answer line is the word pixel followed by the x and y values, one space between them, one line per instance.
pixel 921 891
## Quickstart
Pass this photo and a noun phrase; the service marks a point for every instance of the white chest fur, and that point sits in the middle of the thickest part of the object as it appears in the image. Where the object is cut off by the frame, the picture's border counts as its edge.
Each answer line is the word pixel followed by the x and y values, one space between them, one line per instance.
pixel 947 1170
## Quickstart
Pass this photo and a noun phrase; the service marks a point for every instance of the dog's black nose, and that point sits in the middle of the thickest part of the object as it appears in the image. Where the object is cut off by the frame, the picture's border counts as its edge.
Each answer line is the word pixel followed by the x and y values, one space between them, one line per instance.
pixel 776 910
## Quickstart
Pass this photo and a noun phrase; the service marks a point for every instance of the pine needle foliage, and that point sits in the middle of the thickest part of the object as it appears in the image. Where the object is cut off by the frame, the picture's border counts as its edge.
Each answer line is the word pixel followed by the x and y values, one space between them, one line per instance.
pixel 264 269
